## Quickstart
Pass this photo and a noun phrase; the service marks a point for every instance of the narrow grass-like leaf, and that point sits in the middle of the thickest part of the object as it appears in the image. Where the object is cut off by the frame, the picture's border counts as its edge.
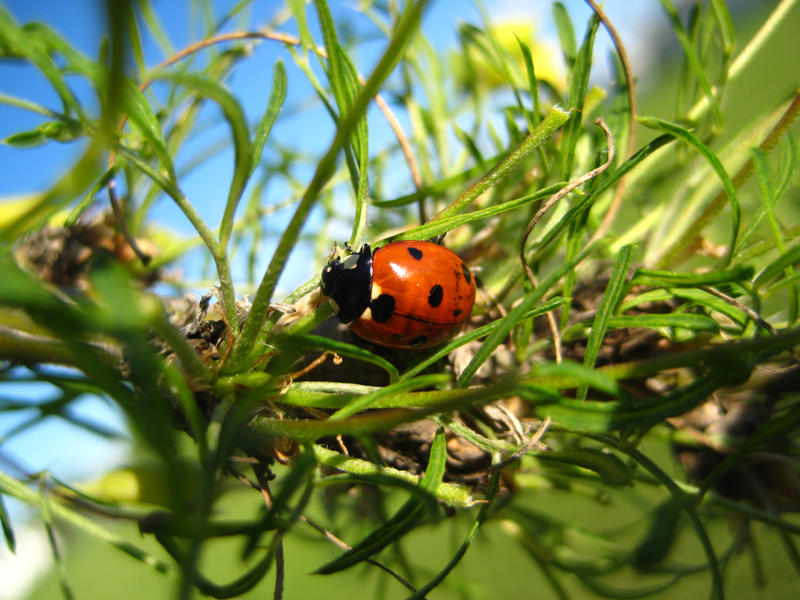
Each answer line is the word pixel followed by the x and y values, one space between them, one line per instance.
pixel 578 84
pixel 515 316
pixel 569 374
pixel 685 321
pixel 478 333
pixel 658 278
pixel 276 98
pixel 405 519
pixel 712 302
pixel 574 212
pixel 144 121
pixel 551 123
pixel 725 24
pixel 27 44
pixel 156 29
pixel 439 226
pixel 769 194
pixel 64 131
pixel 787 165
pixel 243 151
pixel 316 342
pixel 343 78
pixel 713 161
pixel 566 33
pixel 612 296
pixel 236 588
pixel 693 59
pixel 776 268
pixel 486 505
pixel 8 531
pixel 600 416
pixel 533 117
pixel 607 465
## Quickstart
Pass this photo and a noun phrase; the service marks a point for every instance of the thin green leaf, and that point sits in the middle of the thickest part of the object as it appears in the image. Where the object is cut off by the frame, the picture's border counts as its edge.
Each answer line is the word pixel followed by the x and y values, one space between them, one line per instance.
pixel 276 99
pixel 243 151
pixel 712 302
pixel 551 123
pixel 612 296
pixel 515 316
pixel 725 24
pixel 533 84
pixel 462 550
pixel 156 29
pixel 566 33
pixel 8 531
pixel 578 84
pixel 673 320
pixel 439 226
pixel 602 416
pixel 144 121
pixel 370 421
pixel 787 165
pixel 345 86
pixel 607 465
pixel 577 210
pixel 135 40
pixel 673 279
pixel 693 59
pixel 478 333
pixel 403 521
pixel 777 267
pixel 316 342
pixel 27 44
pixel 716 164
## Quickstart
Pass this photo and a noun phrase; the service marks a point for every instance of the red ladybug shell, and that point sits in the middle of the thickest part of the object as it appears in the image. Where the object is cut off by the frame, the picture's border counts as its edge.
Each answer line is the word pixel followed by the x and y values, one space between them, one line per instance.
pixel 421 295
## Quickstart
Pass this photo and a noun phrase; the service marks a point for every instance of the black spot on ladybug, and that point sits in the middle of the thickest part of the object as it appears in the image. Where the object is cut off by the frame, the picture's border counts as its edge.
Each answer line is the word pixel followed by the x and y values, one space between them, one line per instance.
pixel 435 295
pixel 465 271
pixel 382 308
pixel 418 341
pixel 415 253
pixel 457 312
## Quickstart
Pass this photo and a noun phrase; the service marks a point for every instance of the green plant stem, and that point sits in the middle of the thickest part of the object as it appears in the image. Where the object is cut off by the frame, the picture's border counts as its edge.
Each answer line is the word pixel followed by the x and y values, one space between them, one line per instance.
pixel 218 252
pixel 450 493
pixel 554 120
pixel 326 167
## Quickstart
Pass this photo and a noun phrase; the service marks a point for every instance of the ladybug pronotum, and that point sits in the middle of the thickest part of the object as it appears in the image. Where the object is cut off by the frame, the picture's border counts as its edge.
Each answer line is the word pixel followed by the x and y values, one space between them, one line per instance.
pixel 407 295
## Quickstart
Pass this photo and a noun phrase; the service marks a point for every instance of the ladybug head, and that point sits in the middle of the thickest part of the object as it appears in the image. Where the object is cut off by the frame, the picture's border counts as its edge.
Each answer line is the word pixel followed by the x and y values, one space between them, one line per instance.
pixel 348 283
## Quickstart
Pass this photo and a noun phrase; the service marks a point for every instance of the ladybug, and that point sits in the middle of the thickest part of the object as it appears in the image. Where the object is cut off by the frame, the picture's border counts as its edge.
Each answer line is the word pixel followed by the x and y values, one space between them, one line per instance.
pixel 407 295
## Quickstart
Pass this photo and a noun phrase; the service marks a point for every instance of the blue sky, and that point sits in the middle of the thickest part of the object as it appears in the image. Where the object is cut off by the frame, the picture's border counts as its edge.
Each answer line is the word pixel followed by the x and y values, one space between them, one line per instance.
pixel 69 452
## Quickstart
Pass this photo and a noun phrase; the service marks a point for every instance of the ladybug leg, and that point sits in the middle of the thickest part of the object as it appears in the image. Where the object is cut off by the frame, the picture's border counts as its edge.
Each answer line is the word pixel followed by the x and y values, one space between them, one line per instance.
pixel 438 239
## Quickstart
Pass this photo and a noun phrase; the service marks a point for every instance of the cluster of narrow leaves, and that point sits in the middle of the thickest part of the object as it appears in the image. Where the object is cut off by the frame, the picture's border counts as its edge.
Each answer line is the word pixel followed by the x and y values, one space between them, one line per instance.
pixel 635 293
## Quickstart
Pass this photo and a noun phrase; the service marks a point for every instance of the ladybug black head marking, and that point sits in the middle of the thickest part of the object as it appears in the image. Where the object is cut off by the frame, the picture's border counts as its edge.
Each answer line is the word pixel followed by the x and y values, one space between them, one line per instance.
pixel 348 283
